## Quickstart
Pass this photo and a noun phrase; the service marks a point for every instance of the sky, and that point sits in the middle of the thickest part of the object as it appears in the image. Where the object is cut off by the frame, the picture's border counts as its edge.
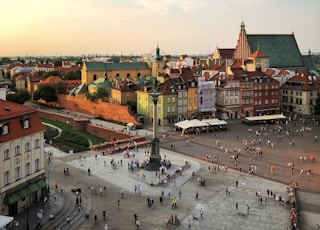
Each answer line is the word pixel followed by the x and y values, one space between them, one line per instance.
pixel 108 27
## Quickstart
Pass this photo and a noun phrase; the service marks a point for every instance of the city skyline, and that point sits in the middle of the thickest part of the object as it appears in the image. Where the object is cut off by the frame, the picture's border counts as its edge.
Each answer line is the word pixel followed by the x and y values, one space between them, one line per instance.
pixel 62 28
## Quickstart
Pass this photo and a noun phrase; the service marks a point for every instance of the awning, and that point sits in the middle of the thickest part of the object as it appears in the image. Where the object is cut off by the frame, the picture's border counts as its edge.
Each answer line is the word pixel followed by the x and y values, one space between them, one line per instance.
pixel 20 192
pixel 4 220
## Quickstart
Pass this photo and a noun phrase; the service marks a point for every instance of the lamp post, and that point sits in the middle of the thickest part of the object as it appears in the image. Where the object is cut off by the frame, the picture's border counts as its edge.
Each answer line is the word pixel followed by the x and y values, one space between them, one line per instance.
pixel 48 160
pixel 28 205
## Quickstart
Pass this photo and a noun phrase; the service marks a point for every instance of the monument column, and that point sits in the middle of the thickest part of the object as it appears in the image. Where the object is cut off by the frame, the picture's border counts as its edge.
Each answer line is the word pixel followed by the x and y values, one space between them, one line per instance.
pixel 155 158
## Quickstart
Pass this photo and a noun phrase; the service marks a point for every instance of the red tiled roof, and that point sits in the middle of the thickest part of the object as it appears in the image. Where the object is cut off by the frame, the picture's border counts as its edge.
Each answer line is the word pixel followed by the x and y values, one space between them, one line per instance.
pixel 270 72
pixel 51 80
pixel 259 54
pixel 226 53
pixel 283 73
pixel 13 113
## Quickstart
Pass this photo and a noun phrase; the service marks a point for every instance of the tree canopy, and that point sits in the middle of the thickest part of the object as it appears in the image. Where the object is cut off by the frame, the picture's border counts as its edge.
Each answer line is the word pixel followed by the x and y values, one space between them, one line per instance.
pixel 46 92
pixel 19 97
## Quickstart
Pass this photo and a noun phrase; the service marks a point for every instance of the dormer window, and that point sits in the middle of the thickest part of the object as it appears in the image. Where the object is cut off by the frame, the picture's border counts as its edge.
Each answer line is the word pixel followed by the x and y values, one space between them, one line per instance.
pixel 5 129
pixel 26 124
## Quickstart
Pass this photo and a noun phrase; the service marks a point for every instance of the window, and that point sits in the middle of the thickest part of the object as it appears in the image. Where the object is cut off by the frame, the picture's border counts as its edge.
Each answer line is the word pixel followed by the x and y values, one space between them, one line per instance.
pixel 195 108
pixel 266 101
pixel 28 169
pixel 190 100
pixel 6 178
pixel 190 108
pixel 184 94
pixel 168 109
pixel 173 99
pixel 266 93
pixel 173 108
pixel 37 165
pixel 159 109
pixel 26 124
pixel 5 129
pixel 190 91
pixel 168 100
pixel 17 150
pixel 27 147
pixel 17 173
pixel 37 144
pixel 6 154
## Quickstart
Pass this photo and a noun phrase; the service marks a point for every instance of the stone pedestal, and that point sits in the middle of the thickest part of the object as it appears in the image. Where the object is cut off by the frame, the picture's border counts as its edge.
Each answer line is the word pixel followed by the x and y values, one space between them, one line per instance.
pixel 155 158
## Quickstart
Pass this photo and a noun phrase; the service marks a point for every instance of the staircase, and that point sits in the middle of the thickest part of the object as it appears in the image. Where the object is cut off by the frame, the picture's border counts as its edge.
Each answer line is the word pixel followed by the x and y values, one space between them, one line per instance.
pixel 69 209
pixel 307 201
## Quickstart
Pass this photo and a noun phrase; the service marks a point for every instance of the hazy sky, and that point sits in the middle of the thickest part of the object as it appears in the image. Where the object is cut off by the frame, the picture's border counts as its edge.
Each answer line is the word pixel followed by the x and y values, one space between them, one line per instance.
pixel 75 27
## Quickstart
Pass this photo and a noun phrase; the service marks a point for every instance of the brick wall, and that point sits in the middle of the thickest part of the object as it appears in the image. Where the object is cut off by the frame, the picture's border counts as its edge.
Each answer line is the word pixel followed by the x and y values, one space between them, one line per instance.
pixel 99 108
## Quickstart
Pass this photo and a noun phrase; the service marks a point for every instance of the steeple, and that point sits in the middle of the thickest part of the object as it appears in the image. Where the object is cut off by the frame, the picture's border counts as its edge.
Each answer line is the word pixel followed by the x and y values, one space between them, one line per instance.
pixel 158 56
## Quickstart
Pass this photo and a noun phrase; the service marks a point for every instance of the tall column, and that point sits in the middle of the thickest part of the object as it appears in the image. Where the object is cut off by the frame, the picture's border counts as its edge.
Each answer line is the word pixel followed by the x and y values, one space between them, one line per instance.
pixel 155 158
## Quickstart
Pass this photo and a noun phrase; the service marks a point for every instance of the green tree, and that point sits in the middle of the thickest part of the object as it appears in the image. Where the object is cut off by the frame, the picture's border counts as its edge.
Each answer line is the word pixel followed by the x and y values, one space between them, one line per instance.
pixel 60 88
pixel 19 97
pixel 46 92
pixel 73 75
pixel 317 106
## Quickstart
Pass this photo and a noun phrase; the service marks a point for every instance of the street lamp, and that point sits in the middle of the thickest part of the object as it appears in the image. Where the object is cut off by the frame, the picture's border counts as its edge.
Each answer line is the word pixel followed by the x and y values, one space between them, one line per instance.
pixel 48 160
pixel 27 205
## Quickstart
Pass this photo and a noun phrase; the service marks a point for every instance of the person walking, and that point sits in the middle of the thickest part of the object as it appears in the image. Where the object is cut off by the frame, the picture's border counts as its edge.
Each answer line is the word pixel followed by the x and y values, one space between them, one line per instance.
pixel 197 195
pixel 118 204
pixel 180 194
pixel 104 214
pixel 201 213
pixel 237 206
pixel 122 192
pixel 95 217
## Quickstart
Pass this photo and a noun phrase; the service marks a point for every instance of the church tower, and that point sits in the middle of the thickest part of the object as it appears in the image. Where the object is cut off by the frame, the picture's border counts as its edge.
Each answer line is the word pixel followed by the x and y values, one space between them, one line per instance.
pixel 242 51
pixel 157 64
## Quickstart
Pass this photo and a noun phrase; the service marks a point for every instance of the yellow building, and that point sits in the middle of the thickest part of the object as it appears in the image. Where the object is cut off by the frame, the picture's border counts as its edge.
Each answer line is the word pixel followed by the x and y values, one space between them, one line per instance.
pixel 124 93
pixel 166 107
pixel 91 71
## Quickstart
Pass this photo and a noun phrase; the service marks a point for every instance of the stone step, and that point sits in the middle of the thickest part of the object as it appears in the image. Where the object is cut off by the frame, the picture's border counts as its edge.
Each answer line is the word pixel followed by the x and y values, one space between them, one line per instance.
pixel 308 198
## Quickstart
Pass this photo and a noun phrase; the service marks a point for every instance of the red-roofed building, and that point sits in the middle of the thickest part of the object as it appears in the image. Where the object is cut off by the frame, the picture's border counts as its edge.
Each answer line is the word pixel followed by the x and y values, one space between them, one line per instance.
pixel 22 173
pixel 299 94
pixel 54 80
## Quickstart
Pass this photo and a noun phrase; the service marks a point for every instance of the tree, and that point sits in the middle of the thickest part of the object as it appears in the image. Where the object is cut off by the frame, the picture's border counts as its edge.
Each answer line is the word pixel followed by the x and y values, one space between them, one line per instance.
pixel 20 97
pixel 73 75
pixel 46 92
pixel 60 88
pixel 317 106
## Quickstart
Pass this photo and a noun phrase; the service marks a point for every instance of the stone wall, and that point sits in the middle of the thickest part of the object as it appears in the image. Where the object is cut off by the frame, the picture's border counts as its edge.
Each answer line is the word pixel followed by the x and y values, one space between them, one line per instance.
pixel 106 110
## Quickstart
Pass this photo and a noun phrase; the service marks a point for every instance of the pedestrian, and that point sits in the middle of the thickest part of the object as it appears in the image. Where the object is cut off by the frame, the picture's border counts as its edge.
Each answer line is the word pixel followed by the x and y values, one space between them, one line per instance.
pixel 101 189
pixel 118 203
pixel 201 213
pixel 89 171
pixel 56 185
pixel 95 217
pixel 180 194
pixel 169 195
pixel 135 217
pixel 122 192
pixel 61 189
pixel 237 184
pixel 104 214
pixel 135 189
pixel 237 206
pixel 248 209
pixel 197 195
pixel 229 191
pixel 160 199
pixel 226 191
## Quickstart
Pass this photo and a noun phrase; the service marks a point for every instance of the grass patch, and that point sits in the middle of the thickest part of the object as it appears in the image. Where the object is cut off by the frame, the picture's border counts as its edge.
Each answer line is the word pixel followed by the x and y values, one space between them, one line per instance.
pixel 69 139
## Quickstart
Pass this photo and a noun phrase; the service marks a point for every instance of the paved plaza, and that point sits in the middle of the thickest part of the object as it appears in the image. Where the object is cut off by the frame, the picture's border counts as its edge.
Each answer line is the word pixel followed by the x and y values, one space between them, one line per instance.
pixel 219 207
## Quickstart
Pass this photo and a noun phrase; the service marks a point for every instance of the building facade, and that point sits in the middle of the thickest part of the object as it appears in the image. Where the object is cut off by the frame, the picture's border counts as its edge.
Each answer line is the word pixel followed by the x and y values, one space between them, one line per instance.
pixel 22 171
